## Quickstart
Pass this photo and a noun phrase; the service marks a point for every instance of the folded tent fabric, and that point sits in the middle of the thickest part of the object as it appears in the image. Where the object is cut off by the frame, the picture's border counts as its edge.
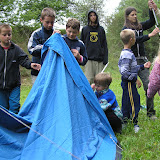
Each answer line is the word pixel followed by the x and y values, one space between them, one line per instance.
pixel 64 116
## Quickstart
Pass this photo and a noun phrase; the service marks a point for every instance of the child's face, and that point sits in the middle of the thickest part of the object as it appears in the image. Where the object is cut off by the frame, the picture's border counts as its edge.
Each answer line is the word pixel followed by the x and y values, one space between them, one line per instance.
pixel 72 33
pixel 47 22
pixel 5 36
pixel 100 87
pixel 132 17
pixel 92 17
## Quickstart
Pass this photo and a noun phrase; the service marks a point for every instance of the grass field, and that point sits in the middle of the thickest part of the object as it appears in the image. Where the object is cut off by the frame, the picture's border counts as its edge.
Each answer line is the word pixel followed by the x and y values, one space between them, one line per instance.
pixel 143 145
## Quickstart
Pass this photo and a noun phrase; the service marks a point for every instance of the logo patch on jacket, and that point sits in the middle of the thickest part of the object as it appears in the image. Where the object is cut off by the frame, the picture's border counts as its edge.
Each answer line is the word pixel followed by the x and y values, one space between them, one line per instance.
pixel 93 36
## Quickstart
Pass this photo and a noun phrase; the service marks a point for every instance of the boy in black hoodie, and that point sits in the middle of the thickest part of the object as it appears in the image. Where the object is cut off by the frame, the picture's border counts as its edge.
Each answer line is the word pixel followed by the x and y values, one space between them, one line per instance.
pixel 94 38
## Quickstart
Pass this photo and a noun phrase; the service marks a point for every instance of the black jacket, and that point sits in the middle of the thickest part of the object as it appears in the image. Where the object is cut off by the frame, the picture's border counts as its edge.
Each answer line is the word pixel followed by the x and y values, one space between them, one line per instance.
pixel 138 48
pixel 9 66
pixel 79 45
pixel 94 38
pixel 35 43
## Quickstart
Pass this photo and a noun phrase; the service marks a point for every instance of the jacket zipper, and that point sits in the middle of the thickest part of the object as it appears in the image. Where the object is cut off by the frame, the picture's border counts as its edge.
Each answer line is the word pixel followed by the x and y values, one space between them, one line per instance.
pixel 5 65
pixel 138 45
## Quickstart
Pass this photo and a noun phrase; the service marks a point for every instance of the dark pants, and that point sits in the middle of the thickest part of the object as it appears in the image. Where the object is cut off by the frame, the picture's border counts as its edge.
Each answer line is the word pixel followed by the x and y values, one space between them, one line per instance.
pixel 130 101
pixel 10 99
pixel 114 121
pixel 144 76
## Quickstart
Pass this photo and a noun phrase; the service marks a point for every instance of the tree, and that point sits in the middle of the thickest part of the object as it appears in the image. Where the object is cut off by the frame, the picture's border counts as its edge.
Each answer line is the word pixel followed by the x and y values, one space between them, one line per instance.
pixel 26 12
pixel 7 8
pixel 82 8
pixel 30 10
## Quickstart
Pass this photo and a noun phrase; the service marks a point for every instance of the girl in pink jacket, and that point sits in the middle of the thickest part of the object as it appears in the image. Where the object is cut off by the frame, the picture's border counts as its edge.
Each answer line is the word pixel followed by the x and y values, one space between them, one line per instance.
pixel 154 78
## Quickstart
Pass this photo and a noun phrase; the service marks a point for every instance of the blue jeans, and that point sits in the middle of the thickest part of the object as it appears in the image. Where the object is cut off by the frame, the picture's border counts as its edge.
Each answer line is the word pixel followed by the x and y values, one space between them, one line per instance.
pixel 10 99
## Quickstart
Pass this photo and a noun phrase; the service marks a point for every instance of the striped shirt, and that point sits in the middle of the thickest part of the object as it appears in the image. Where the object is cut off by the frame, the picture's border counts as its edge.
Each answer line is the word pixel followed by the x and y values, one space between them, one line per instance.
pixel 128 65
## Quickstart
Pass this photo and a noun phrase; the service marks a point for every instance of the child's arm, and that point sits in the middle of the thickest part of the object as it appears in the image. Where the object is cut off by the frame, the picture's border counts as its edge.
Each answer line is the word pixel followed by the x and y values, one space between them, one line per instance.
pixel 104 104
pixel 35 45
pixel 83 53
pixel 108 101
pixel 80 55
pixel 77 55
pixel 24 60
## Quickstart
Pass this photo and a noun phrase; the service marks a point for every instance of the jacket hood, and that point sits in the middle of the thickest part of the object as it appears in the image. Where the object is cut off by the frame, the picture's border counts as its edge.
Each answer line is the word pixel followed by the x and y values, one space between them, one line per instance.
pixel 97 20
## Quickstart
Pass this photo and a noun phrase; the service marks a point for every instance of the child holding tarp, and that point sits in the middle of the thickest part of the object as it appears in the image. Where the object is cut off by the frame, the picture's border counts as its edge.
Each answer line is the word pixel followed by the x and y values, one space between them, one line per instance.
pixel 129 69
pixel 39 37
pixel 76 46
pixel 107 100
pixel 11 56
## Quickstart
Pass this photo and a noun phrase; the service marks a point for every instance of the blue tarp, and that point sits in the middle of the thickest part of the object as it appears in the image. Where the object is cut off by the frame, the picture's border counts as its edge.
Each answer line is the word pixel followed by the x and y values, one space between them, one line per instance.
pixel 61 118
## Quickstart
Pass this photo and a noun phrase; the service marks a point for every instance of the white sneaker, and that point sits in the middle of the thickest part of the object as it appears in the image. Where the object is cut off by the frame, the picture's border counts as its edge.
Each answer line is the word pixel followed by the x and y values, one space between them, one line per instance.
pixel 136 128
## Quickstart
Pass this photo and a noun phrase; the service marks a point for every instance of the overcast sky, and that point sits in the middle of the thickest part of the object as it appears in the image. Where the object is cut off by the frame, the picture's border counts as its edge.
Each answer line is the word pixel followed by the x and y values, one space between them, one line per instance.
pixel 111 5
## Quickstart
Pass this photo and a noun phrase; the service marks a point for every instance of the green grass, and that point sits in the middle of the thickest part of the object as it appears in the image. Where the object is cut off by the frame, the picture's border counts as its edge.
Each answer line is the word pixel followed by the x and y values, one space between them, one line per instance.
pixel 143 145
pixel 25 87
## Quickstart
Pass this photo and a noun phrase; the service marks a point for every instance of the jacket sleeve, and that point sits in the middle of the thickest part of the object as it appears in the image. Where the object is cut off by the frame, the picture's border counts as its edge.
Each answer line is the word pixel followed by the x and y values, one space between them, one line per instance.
pixel 142 38
pixel 104 45
pixel 146 25
pixel 23 58
pixel 112 98
pixel 83 52
pixel 150 22
pixel 34 45
pixel 108 101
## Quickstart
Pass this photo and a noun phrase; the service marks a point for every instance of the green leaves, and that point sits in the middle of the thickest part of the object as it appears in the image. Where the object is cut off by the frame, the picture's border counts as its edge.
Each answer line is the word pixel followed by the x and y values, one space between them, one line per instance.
pixel 24 11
